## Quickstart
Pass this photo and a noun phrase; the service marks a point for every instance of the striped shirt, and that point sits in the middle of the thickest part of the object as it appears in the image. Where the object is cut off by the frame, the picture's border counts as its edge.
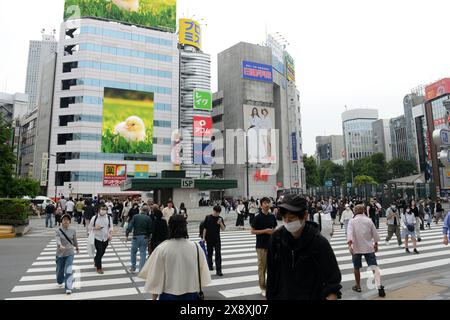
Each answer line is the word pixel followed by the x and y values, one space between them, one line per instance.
pixel 363 234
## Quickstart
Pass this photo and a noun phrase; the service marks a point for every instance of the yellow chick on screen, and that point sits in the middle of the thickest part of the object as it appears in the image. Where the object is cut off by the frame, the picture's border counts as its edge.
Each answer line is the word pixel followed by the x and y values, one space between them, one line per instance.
pixel 133 129
pixel 129 5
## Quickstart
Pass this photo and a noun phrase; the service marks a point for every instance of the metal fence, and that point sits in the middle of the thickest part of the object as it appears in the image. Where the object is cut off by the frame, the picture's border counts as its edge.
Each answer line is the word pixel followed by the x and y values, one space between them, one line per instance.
pixel 385 193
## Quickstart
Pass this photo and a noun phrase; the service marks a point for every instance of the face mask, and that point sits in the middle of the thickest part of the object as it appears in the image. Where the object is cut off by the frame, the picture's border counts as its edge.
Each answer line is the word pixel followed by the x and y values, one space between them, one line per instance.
pixel 294 227
pixel 103 212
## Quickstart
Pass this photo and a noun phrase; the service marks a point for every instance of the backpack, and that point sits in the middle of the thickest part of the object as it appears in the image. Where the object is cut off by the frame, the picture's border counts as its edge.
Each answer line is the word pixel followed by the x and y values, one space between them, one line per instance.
pixel 109 221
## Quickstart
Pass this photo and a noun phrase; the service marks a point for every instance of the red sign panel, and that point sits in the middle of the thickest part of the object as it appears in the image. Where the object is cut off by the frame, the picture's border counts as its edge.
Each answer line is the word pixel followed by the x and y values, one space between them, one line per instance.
pixel 203 127
pixel 261 175
pixel 438 89
pixel 114 175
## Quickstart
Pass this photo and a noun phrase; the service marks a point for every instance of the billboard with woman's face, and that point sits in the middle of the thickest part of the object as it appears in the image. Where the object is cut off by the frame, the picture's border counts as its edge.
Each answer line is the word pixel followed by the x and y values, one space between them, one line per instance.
pixel 259 123
pixel 147 13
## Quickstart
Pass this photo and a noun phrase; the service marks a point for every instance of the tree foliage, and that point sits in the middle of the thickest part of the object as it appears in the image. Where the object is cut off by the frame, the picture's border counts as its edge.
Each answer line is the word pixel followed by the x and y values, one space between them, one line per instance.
pixel 364 180
pixel 312 172
pixel 401 168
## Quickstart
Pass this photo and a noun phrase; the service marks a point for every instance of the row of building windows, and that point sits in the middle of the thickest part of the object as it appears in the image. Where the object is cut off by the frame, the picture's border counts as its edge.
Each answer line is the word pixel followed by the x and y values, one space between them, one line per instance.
pixel 124 52
pixel 125 36
pixel 99 102
pixel 120 85
pixel 124 69
pixel 63 138
pixel 64 120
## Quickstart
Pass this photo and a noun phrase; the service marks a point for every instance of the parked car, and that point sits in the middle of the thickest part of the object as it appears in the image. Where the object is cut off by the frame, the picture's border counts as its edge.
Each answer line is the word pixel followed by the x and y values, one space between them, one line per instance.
pixel 40 202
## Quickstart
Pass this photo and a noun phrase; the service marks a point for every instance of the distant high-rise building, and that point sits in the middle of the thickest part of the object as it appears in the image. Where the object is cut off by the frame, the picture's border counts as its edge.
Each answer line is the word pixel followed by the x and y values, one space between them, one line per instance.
pixel 382 138
pixel 399 138
pixel 330 148
pixel 358 133
pixel 38 54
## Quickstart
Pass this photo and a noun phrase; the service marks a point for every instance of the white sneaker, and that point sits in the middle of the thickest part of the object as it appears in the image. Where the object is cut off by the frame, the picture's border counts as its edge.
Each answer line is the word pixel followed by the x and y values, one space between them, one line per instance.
pixel 68 292
pixel 263 293
pixel 60 286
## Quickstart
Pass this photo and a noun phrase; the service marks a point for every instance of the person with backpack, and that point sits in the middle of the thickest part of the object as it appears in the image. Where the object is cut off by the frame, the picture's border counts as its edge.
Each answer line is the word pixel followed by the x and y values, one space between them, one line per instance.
pixel 372 212
pixel 213 225
pixel 363 239
pixel 103 227
pixel 301 264
pixel 66 242
pixel 89 212
pixel 325 223
pixel 141 226
pixel 263 226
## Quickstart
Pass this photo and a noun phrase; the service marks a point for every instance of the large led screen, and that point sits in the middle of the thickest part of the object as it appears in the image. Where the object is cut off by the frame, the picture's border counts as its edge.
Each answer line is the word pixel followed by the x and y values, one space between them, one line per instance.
pixel 148 13
pixel 127 122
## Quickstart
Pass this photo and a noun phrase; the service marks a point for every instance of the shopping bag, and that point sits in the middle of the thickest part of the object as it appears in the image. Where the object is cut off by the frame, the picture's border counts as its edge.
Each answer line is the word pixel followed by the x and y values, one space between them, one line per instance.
pixel 90 245
pixel 203 246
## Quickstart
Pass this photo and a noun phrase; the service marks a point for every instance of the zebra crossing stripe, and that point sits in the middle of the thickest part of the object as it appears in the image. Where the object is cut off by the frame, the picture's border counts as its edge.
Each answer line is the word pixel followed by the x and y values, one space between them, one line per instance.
pixel 76 275
pixel 53 286
pixel 89 295
pixel 52 269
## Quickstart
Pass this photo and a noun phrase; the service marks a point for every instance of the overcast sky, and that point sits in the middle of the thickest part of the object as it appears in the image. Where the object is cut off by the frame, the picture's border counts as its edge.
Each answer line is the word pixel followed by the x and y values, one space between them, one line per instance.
pixel 357 53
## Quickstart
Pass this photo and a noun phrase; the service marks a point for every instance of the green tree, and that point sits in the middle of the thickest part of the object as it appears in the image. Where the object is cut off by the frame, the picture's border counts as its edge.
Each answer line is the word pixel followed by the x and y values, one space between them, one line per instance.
pixel 401 168
pixel 329 171
pixel 7 158
pixel 364 180
pixel 312 172
pixel 24 187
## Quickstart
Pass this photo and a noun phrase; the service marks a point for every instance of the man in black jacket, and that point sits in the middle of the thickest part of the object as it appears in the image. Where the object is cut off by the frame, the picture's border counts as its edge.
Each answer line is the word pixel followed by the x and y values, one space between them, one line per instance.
pixel 301 264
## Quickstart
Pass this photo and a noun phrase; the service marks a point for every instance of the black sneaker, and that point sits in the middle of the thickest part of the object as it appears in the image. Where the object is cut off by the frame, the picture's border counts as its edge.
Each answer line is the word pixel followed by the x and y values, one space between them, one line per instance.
pixel 381 292
pixel 211 269
pixel 419 240
pixel 219 274
pixel 415 251
pixel 407 250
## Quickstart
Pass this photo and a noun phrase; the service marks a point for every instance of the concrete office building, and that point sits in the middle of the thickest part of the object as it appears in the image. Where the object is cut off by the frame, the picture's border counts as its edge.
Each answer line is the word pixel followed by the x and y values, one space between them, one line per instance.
pixel 382 138
pixel 36 128
pixel 358 133
pixel 399 138
pixel 95 56
pixel 330 148
pixel 248 84
pixel 410 101
pixel 39 52
pixel 421 141
pixel 13 108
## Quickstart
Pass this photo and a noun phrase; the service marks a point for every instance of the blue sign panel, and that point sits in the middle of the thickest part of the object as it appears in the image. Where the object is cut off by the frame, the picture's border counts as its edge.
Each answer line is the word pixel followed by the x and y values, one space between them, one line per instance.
pixel 328 184
pixel 294 147
pixel 202 154
pixel 257 71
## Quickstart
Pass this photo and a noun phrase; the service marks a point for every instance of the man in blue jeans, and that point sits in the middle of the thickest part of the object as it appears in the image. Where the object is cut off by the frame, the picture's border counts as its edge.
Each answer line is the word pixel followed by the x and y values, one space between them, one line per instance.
pixel 446 229
pixel 141 226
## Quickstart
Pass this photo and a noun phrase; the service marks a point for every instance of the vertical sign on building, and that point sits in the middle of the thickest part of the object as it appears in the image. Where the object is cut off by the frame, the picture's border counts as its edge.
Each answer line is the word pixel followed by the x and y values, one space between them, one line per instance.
pixel 44 169
pixel 190 33
pixel 277 54
pixel 202 127
pixel 202 100
pixel 290 67
pixel 294 147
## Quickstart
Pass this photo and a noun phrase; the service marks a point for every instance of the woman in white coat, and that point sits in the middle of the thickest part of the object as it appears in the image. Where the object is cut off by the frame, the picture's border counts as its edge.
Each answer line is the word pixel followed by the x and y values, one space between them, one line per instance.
pixel 177 270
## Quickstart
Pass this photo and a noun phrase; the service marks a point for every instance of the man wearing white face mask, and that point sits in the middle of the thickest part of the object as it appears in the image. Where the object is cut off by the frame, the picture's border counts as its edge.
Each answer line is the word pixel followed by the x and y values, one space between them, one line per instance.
pixel 102 225
pixel 301 264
